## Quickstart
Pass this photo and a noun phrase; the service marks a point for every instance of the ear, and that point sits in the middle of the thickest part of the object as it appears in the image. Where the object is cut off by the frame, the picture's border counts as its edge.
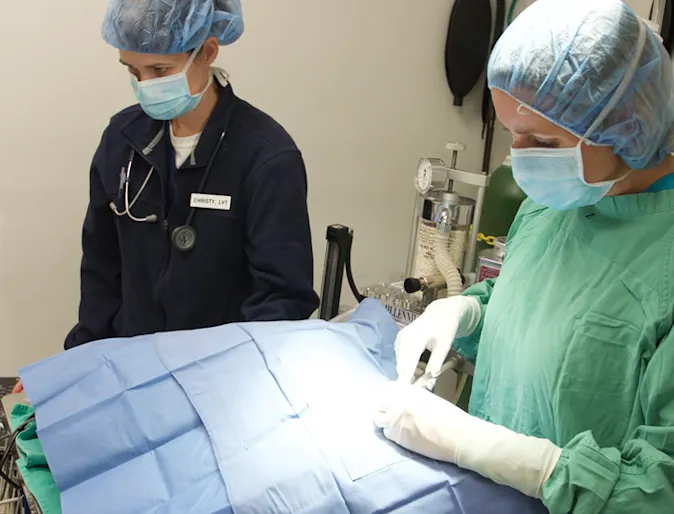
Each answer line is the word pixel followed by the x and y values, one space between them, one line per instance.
pixel 210 50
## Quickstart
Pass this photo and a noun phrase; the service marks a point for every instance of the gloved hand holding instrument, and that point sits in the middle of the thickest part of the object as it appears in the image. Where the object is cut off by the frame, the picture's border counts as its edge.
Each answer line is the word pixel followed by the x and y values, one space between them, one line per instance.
pixel 435 331
pixel 414 418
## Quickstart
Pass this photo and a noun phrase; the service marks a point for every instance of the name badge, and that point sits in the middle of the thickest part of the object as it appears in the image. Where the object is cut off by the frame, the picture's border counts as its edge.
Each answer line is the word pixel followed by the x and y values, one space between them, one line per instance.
pixel 216 202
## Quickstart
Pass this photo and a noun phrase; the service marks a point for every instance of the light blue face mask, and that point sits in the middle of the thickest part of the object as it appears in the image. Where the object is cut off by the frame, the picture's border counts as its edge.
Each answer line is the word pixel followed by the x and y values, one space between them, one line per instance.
pixel 168 98
pixel 554 177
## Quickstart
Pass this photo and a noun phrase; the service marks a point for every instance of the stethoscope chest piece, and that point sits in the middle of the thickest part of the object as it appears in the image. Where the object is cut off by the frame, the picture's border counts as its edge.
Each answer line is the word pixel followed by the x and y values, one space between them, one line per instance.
pixel 184 238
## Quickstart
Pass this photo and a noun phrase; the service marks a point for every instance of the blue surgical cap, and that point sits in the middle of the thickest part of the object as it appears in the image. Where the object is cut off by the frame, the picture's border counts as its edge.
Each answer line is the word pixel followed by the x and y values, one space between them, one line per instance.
pixel 170 26
pixel 565 59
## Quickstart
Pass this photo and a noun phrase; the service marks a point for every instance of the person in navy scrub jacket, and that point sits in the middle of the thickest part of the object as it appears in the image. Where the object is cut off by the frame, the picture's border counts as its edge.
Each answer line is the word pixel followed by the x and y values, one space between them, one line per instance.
pixel 197 214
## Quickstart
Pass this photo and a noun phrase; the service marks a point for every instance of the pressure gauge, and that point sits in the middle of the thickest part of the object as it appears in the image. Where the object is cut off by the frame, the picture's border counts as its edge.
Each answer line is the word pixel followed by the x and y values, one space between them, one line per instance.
pixel 424 178
pixel 431 175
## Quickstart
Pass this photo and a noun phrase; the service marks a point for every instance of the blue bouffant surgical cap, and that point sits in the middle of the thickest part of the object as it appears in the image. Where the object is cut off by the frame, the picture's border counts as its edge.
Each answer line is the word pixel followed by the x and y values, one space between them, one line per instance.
pixel 170 26
pixel 567 59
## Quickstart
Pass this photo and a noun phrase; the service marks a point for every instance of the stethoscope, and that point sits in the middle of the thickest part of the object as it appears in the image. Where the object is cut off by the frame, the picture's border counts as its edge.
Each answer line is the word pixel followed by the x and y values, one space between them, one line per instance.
pixel 184 237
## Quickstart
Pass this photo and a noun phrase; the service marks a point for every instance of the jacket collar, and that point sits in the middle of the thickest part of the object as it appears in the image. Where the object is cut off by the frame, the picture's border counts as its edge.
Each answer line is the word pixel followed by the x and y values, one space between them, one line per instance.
pixel 145 134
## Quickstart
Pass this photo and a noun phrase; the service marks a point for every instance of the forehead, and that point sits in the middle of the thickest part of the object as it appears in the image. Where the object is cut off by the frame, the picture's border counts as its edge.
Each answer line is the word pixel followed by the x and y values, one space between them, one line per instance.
pixel 139 60
pixel 519 120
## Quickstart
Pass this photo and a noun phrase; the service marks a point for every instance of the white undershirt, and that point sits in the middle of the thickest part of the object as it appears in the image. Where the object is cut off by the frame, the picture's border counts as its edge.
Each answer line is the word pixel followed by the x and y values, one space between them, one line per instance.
pixel 183 146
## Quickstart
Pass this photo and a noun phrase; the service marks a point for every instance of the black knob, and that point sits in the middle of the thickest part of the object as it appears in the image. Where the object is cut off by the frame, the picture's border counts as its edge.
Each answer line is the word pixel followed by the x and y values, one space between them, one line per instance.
pixel 412 285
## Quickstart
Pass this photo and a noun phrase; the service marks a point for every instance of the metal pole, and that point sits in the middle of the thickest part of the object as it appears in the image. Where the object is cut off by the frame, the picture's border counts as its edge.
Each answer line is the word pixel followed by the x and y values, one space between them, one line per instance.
pixel 412 247
pixel 469 261
pixel 658 12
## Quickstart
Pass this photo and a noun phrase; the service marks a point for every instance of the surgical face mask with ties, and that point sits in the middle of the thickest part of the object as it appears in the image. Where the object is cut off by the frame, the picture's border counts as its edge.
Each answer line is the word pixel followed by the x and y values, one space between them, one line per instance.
pixel 554 177
pixel 168 98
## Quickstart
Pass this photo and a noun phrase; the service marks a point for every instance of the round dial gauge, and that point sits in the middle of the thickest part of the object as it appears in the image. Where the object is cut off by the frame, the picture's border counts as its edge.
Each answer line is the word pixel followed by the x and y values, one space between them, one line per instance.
pixel 424 178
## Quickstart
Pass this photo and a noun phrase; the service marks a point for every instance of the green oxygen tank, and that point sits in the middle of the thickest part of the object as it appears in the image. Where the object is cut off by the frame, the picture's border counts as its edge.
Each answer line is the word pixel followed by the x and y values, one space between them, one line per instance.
pixel 502 200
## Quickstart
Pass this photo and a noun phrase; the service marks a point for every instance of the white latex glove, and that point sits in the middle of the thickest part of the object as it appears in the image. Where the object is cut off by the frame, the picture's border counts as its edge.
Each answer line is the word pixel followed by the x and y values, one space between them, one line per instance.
pixel 435 330
pixel 424 423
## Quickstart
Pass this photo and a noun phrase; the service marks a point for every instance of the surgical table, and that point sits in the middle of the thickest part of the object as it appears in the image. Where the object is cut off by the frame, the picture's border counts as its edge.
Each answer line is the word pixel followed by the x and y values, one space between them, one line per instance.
pixel 264 418
pixel 12 501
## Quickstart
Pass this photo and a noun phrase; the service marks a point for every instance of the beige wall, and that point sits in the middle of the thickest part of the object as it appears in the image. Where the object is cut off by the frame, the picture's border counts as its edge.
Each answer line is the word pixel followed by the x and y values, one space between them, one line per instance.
pixel 359 84
pixel 641 7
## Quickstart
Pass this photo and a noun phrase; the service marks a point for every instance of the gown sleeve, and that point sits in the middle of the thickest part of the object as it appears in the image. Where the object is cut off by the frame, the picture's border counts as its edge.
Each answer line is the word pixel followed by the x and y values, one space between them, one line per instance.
pixel 639 477
pixel 101 268
pixel 278 243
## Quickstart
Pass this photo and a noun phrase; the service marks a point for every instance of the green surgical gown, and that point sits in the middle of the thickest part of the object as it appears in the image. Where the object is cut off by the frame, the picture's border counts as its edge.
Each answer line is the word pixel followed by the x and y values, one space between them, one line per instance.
pixel 576 346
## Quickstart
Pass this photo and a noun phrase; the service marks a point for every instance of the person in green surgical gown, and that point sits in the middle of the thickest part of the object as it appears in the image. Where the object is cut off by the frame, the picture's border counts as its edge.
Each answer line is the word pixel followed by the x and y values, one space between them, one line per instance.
pixel 573 396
